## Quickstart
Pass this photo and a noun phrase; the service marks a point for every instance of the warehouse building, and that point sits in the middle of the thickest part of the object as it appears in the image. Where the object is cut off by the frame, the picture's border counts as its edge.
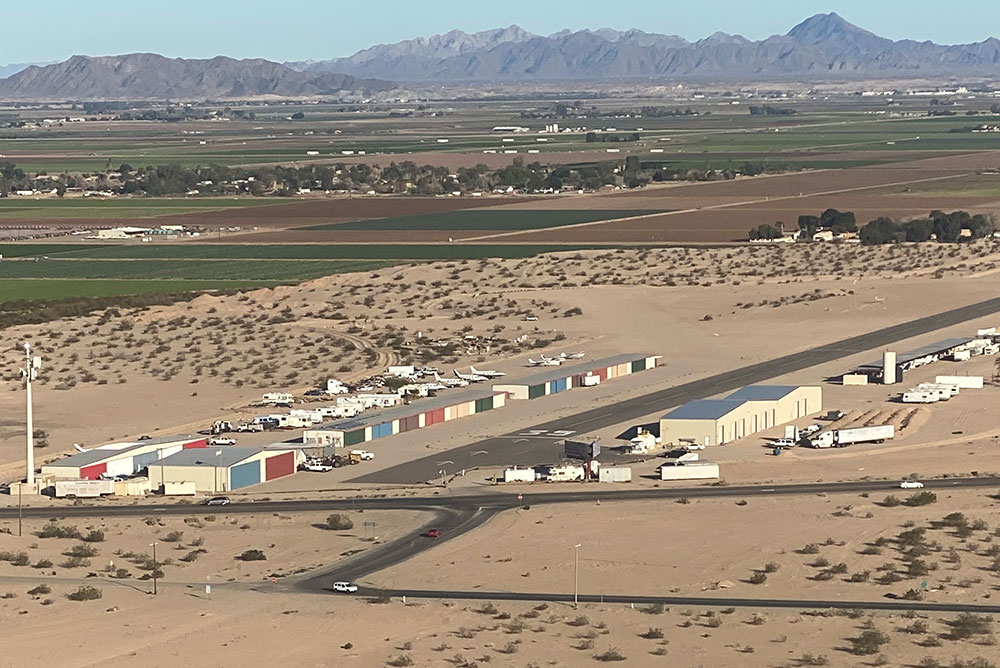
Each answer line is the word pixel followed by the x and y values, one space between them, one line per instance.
pixel 744 412
pixel 225 468
pixel 424 413
pixel 120 458
pixel 579 375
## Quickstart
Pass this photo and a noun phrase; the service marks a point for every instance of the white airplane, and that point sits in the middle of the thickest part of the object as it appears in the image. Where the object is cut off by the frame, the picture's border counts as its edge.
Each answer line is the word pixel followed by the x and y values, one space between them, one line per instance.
pixel 471 377
pixel 572 356
pixel 450 382
pixel 488 373
pixel 545 361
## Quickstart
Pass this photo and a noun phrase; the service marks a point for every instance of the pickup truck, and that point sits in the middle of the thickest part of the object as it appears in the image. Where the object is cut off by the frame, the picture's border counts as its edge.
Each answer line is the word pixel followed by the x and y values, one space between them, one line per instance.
pixel 315 467
pixel 222 441
pixel 363 455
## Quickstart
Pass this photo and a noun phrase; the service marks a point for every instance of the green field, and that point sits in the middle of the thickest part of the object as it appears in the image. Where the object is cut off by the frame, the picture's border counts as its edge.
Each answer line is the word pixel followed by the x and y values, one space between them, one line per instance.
pixel 34 289
pixel 99 209
pixel 483 219
pixel 229 270
pixel 416 252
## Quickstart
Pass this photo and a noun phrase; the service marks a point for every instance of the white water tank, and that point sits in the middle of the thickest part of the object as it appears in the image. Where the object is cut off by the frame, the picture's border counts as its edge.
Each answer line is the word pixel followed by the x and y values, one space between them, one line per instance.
pixel 889 368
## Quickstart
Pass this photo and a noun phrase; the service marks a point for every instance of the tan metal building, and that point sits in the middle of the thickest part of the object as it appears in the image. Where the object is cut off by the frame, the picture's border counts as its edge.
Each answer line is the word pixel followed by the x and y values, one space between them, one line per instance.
pixel 223 469
pixel 745 412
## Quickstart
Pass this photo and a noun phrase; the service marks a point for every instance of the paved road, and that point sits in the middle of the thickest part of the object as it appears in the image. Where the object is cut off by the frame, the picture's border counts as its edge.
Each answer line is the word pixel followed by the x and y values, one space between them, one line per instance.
pixel 494 501
pixel 894 605
pixel 537 445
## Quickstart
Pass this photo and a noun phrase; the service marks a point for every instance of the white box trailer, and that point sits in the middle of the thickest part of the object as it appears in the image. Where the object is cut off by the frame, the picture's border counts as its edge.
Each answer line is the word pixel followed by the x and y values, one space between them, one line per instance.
pixel 180 488
pixel 294 422
pixel 277 398
pixel 566 473
pixel 839 438
pixel 84 489
pixel 614 474
pixel 961 382
pixel 961 355
pixel 689 471
pixel 519 475
pixel 946 391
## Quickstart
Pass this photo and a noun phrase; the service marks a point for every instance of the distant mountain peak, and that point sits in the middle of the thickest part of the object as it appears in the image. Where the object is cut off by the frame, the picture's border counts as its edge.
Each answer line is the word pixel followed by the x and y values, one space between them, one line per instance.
pixel 823 27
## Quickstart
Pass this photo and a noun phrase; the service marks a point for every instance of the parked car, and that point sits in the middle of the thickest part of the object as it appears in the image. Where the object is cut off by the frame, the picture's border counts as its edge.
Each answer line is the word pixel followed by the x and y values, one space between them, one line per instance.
pixel 222 441
pixel 346 587
pixel 691 447
pixel 316 393
pixel 363 455
pixel 218 501
pixel 911 484
pixel 783 442
pixel 433 533
pixel 812 429
pixel 315 467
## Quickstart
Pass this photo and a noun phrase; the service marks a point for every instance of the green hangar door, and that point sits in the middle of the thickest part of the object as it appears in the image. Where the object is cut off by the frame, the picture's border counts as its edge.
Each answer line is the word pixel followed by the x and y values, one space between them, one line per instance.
pixel 245 475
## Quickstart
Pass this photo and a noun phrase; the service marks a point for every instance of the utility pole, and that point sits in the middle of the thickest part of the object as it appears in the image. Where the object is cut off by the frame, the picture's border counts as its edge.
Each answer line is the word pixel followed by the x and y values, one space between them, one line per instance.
pixel 155 566
pixel 30 373
pixel 576 576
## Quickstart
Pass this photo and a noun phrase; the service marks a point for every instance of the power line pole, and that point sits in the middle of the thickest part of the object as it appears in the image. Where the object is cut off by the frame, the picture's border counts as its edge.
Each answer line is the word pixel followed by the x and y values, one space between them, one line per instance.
pixel 30 373
pixel 576 576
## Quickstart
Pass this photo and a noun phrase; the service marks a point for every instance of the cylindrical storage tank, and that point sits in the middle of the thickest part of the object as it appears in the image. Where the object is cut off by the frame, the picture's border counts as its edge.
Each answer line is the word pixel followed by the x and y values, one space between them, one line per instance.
pixel 889 368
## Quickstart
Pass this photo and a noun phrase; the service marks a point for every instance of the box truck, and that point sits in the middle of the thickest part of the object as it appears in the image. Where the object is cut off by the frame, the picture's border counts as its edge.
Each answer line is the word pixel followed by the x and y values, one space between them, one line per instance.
pixel 841 438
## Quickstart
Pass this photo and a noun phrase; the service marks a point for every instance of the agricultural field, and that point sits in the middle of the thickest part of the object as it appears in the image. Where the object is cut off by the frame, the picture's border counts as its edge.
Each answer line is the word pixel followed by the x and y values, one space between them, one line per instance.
pixel 32 209
pixel 493 219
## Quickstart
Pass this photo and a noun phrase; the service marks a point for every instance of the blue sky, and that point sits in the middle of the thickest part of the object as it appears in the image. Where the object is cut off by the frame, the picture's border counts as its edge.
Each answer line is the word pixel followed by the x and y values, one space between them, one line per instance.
pixel 320 29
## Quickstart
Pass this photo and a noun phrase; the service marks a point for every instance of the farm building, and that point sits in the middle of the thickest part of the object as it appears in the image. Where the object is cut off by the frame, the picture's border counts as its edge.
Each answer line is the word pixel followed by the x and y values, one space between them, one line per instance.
pixel 742 413
pixel 223 469
pixel 120 458
pixel 579 375
pixel 355 431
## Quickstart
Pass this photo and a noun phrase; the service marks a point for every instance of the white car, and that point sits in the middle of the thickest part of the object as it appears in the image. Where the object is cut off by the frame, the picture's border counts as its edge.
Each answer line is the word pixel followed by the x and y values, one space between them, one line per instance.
pixel 222 441
pixel 911 484
pixel 691 447
pixel 346 587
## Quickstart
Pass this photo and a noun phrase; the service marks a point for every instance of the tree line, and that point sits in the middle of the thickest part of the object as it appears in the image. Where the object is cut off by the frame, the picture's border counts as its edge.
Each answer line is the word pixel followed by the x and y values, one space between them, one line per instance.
pixel 944 227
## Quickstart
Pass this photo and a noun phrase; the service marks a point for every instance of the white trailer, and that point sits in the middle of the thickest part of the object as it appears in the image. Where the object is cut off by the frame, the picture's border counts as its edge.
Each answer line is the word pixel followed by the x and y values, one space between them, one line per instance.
pixel 519 475
pixel 689 471
pixel 84 489
pixel 920 397
pixel 294 422
pixel 840 438
pixel 566 473
pixel 946 391
pixel 277 399
pixel 614 474
pixel 962 382
pixel 961 355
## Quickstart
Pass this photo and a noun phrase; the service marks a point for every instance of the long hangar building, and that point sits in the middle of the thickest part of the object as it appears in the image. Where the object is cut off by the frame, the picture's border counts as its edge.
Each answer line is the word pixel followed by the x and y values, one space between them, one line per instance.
pixel 744 412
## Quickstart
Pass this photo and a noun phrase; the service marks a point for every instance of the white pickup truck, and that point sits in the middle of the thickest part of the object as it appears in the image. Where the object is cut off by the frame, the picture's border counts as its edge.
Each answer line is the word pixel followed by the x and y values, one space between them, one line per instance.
pixel 363 455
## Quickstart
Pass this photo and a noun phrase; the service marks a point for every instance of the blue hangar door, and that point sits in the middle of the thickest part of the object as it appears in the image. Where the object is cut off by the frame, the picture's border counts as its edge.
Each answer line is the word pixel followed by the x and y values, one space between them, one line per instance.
pixel 245 475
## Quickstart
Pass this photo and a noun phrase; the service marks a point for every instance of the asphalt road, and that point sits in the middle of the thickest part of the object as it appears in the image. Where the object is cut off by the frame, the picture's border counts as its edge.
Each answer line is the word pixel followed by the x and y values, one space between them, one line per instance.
pixel 534 445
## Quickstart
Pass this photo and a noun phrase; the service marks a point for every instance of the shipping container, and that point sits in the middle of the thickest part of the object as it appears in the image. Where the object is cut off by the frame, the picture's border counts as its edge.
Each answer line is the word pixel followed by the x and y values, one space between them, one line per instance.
pixel 519 475
pixel 690 471
pixel 614 474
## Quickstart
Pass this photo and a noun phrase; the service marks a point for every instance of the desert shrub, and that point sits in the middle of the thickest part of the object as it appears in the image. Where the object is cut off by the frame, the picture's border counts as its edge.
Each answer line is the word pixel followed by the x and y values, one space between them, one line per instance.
pixel 82 551
pixel 861 576
pixel 40 590
pixel 580 620
pixel 967 625
pixel 75 562
pixel 814 660
pixel 401 660
pixel 339 522
pixel 95 536
pixel 757 577
pixel 653 609
pixel 771 567
pixel 53 530
pixel 20 559
pixel 173 537
pixel 921 499
pixel 612 654
pixel 85 594
pixel 890 501
pixel 488 609
pixel 870 641
pixel 652 634
pixel 811 548
pixel 917 627
pixel 252 555
pixel 42 563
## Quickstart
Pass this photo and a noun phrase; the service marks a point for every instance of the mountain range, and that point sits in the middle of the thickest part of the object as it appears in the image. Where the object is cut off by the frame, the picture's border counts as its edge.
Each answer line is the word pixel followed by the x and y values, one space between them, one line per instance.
pixel 822 46
pixel 145 76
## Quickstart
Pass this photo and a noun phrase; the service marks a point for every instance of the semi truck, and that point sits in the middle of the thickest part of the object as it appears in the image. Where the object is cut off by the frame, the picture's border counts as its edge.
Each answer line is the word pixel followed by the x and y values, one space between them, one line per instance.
pixel 841 438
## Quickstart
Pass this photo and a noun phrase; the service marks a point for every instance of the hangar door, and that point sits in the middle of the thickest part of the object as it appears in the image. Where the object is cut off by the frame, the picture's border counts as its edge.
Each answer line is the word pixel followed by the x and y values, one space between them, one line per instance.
pixel 245 475
pixel 280 465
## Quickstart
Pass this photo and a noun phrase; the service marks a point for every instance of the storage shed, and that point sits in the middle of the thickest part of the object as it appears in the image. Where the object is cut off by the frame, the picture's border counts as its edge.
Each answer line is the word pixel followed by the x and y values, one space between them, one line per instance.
pixel 222 469
pixel 120 458
pixel 744 412
pixel 564 378
pixel 423 413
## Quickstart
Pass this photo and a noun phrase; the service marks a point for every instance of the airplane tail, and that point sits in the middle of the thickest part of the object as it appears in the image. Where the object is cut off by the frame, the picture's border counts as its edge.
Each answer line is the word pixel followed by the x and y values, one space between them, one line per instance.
pixel 78 447
pixel 474 372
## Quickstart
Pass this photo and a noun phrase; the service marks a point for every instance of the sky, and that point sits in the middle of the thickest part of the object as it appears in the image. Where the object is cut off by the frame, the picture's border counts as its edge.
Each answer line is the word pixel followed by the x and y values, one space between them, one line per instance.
pixel 320 29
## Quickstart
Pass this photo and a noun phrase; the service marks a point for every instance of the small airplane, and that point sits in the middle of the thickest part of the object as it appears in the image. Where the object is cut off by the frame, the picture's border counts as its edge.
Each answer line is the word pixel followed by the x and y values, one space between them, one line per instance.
pixel 450 382
pixel 488 373
pixel 545 361
pixel 472 378
pixel 572 356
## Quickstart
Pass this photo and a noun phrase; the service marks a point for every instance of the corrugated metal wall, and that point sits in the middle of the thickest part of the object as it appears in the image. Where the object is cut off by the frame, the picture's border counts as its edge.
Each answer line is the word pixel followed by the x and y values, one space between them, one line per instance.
pixel 93 472
pixel 279 466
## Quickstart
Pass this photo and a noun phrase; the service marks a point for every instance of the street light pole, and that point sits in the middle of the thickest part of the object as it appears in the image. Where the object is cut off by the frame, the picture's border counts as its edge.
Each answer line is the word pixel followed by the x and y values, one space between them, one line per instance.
pixel 30 373
pixel 576 576
pixel 155 566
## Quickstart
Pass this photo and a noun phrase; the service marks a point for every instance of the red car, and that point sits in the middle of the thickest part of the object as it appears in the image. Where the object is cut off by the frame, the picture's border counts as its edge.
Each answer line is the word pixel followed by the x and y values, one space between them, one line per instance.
pixel 433 533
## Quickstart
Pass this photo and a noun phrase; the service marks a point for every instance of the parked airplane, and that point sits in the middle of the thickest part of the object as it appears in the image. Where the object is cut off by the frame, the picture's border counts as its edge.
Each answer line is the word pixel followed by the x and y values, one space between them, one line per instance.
pixel 471 377
pixel 488 373
pixel 450 382
pixel 572 356
pixel 545 361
